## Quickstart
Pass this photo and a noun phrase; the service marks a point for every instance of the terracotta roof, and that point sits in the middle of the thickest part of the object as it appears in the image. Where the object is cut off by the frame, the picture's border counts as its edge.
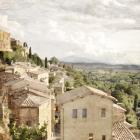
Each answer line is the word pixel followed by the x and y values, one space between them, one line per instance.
pixel 2 130
pixel 122 132
pixel 29 83
pixel 30 101
pixel 119 107
pixel 8 76
pixel 81 92
pixel 38 71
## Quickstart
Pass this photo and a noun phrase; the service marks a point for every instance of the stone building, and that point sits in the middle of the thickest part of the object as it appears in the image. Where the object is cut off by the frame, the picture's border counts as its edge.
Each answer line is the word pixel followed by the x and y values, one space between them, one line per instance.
pixel 121 128
pixel 90 114
pixel 30 103
pixel 4 110
pixel 58 83
pixel 4 41
pixel 39 74
pixel 18 44
pixel 21 68
pixel 15 42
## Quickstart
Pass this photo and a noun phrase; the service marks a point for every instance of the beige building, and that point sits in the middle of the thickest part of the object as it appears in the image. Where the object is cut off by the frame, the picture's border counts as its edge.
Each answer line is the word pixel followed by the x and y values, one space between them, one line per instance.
pixel 58 83
pixel 121 128
pixel 39 74
pixel 85 112
pixel 21 68
pixel 15 42
pixel 90 114
pixel 23 47
pixel 5 41
pixel 4 110
pixel 30 103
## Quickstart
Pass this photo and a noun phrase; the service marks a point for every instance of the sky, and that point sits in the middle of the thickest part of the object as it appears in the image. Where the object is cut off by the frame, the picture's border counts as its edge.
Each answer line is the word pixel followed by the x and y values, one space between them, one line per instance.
pixel 97 30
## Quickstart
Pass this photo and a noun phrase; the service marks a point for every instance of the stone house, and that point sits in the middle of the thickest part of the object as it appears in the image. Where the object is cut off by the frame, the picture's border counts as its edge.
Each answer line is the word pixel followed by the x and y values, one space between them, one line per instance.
pixel 121 128
pixel 21 68
pixel 24 48
pixel 90 114
pixel 39 74
pixel 4 41
pixel 15 42
pixel 30 103
pixel 58 83
pixel 4 110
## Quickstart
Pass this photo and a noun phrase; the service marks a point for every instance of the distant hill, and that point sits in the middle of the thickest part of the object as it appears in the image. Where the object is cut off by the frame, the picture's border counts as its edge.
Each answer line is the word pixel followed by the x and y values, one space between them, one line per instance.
pixel 76 59
pixel 103 66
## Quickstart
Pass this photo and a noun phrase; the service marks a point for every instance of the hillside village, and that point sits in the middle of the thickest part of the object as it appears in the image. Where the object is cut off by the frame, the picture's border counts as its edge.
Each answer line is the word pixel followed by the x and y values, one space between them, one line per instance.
pixel 32 95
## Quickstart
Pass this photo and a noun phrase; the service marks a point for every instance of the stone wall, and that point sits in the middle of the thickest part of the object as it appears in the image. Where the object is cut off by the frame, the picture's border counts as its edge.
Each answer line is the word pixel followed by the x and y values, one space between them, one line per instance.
pixel 45 116
pixel 80 128
pixel 5 41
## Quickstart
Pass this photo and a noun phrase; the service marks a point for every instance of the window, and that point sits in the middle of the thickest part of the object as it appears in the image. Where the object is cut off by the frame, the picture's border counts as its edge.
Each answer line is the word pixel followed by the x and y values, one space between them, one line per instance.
pixel 103 137
pixel 103 112
pixel 74 113
pixel 84 113
pixel 90 136
pixel 28 123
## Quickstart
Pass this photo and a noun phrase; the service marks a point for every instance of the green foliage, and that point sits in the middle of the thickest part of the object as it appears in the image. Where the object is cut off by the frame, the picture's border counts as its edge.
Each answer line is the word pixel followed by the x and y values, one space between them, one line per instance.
pixel 68 85
pixel 37 60
pixel 30 52
pixel 132 118
pixel 24 132
pixel 79 77
pixel 136 102
pixel 54 60
pixel 51 79
pixel 18 56
pixel 8 57
pixel 125 86
pixel 46 62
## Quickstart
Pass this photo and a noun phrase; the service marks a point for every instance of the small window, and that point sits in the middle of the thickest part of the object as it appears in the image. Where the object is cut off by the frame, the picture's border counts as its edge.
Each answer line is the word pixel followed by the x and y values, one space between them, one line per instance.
pixel 28 123
pixel 84 113
pixel 103 112
pixel 90 136
pixel 74 113
pixel 103 137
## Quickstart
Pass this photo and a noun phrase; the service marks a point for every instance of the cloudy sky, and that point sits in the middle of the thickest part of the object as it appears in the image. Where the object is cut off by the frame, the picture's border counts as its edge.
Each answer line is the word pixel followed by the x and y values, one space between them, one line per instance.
pixel 98 30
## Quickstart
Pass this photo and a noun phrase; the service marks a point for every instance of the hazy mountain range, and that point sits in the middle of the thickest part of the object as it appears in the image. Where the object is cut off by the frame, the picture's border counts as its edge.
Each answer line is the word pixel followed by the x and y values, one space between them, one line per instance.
pixel 90 65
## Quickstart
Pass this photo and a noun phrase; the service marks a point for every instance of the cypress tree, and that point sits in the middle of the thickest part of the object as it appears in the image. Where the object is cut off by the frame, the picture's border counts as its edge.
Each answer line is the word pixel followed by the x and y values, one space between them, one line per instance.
pixel 136 102
pixel 30 52
pixel 46 62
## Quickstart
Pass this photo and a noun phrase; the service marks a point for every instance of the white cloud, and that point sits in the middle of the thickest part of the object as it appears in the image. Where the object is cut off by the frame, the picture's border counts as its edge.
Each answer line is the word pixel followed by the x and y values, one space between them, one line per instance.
pixel 88 28
pixel 13 27
pixel 3 21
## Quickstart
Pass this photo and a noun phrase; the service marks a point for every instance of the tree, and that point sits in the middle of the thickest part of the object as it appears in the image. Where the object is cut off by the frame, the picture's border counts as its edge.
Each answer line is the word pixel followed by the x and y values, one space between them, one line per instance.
pixel 68 85
pixel 30 52
pixel 54 60
pixel 46 62
pixel 37 60
pixel 24 132
pixel 25 44
pixel 135 102
pixel 8 57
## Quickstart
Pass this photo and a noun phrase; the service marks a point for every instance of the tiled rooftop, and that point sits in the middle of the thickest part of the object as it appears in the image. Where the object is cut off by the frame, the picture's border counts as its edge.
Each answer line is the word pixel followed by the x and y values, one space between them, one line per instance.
pixel 81 92
pixel 122 132
pixel 30 101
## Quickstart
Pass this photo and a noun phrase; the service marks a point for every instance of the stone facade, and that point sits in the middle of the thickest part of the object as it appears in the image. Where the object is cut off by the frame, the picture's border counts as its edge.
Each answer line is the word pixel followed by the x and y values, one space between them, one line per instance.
pixel 39 74
pixel 24 47
pixel 90 114
pixel 81 128
pixel 30 103
pixel 118 113
pixel 91 126
pixel 5 41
